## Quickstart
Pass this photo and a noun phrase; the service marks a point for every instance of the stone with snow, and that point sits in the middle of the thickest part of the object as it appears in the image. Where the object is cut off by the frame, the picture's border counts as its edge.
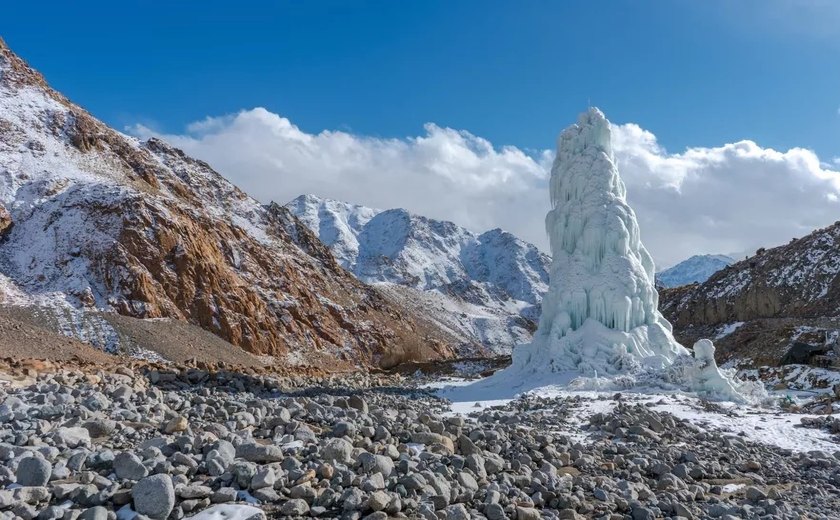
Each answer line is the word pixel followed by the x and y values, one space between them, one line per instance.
pixel 229 512
pixel 72 437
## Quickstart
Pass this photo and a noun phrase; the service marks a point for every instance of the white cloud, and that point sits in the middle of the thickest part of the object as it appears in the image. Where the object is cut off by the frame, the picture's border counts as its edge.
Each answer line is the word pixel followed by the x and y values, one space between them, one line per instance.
pixel 736 197
pixel 732 198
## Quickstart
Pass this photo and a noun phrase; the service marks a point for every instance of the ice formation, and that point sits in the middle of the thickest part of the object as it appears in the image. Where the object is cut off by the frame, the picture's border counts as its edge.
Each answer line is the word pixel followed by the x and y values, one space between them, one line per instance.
pixel 706 378
pixel 600 317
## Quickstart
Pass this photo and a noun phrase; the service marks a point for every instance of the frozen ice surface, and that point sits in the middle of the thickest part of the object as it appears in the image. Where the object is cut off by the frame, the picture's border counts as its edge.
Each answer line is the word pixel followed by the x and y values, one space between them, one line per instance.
pixel 600 318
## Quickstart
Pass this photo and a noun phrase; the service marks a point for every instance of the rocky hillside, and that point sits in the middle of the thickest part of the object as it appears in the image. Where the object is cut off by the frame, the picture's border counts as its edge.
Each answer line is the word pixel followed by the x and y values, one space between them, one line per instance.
pixel 484 288
pixel 757 306
pixel 696 269
pixel 91 219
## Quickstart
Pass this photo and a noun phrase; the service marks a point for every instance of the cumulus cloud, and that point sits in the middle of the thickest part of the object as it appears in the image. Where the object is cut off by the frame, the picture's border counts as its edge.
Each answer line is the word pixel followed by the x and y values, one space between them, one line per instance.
pixel 732 198
pixel 443 173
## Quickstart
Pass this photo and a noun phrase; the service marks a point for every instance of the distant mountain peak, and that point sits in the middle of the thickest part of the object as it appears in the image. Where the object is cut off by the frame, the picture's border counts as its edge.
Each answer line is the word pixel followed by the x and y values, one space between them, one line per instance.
pixel 696 269
pixel 494 278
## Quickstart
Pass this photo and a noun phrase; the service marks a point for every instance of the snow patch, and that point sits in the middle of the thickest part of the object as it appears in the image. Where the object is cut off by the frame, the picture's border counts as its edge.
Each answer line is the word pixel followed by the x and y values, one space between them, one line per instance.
pixel 230 512
pixel 728 329
pixel 758 424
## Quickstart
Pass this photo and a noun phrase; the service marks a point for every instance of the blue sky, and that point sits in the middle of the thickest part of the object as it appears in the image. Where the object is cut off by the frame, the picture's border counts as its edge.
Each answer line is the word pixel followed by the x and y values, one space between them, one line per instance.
pixel 693 73
pixel 726 113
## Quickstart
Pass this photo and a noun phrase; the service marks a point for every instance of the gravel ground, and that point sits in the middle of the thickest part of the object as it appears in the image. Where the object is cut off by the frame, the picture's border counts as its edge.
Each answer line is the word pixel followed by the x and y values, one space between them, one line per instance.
pixel 35 333
pixel 190 443
pixel 21 339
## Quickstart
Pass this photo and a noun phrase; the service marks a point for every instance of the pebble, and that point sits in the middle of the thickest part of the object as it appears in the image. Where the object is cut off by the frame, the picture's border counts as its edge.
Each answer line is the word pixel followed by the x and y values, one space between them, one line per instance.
pixel 175 449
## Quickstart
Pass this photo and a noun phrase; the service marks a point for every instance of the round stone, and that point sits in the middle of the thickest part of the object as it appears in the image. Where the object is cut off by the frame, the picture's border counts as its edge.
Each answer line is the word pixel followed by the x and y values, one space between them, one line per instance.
pixel 33 471
pixel 129 466
pixel 337 450
pixel 154 496
pixel 295 507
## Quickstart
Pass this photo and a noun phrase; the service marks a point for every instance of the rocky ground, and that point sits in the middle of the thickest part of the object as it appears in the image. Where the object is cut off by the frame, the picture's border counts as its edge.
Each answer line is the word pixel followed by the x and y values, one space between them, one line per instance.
pixel 162 443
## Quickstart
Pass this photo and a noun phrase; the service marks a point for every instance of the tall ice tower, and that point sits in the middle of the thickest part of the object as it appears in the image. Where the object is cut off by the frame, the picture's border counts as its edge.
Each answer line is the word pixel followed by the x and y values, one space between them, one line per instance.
pixel 600 317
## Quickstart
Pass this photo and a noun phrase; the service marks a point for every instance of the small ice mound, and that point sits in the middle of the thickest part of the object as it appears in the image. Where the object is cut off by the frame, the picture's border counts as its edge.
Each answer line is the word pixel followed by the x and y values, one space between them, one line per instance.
pixel 600 322
pixel 703 376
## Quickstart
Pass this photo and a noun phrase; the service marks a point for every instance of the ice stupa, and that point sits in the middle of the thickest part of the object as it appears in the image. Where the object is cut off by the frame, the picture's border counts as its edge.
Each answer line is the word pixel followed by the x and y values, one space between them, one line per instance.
pixel 600 317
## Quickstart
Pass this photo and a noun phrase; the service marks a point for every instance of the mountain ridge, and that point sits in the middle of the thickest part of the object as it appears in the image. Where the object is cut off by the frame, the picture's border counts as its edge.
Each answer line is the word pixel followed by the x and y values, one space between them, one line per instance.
pixel 760 305
pixel 695 269
pixel 165 236
pixel 492 272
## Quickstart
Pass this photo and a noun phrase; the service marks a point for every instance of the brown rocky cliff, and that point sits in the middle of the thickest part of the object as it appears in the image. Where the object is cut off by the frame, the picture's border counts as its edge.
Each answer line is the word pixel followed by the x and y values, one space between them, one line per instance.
pixel 177 240
pixel 771 292
pixel 799 279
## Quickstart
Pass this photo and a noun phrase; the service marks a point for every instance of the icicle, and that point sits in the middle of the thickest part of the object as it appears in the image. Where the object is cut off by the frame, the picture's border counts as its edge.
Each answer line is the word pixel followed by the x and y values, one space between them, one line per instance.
pixel 600 315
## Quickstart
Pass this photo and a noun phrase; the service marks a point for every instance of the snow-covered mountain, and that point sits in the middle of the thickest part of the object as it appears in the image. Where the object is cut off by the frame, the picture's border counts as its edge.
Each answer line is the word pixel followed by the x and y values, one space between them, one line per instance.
pixel 92 220
pixel 757 306
pixel 696 269
pixel 486 288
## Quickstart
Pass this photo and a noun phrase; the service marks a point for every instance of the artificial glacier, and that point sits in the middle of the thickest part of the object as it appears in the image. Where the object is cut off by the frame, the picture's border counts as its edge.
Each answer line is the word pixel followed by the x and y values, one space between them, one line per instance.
pixel 600 322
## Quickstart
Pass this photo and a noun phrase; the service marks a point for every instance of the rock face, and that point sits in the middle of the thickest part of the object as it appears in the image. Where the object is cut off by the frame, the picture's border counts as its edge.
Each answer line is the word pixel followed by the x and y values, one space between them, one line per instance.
pixel 165 236
pixel 486 288
pixel 781 292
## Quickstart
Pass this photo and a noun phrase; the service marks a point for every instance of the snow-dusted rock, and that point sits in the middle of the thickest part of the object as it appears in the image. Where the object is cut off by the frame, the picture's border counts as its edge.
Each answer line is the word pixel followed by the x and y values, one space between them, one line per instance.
pixel 486 288
pixel 230 512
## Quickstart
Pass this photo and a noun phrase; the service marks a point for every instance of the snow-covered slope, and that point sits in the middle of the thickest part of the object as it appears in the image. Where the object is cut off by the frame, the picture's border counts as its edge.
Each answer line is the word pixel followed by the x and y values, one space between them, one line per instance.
pixel 696 269
pixel 486 288
pixel 93 219
pixel 775 294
